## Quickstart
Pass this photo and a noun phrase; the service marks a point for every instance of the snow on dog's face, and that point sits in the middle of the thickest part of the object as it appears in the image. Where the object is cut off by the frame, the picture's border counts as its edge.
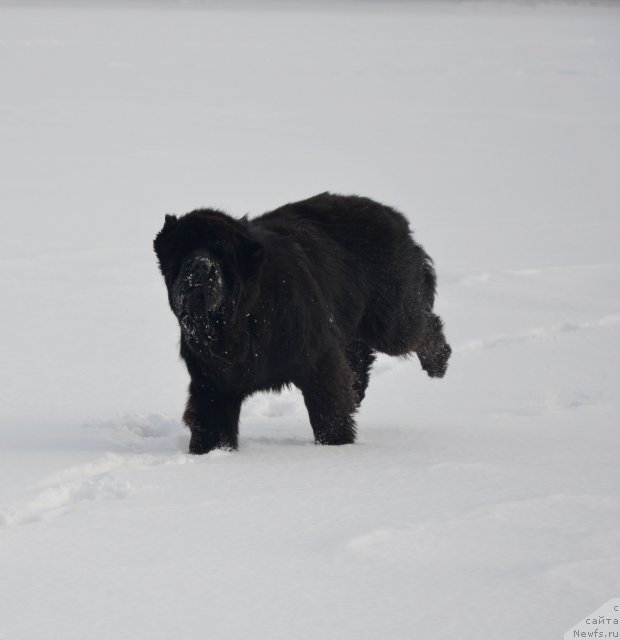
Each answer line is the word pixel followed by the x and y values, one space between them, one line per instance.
pixel 198 293
pixel 209 261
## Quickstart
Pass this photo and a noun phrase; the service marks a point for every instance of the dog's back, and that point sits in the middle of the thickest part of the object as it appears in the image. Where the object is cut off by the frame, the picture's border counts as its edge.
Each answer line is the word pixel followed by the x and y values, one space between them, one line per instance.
pixel 378 283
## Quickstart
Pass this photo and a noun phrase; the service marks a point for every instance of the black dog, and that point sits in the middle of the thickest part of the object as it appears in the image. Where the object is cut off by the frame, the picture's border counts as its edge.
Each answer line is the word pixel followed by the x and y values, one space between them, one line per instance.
pixel 303 295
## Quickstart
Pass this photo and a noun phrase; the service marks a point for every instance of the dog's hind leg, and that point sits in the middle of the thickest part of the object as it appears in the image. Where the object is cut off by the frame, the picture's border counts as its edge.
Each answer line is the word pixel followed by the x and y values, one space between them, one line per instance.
pixel 433 350
pixel 360 358
pixel 330 399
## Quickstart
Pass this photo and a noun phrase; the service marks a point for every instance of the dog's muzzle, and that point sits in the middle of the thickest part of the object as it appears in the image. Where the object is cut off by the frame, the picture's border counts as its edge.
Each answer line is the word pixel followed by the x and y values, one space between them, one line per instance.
pixel 198 291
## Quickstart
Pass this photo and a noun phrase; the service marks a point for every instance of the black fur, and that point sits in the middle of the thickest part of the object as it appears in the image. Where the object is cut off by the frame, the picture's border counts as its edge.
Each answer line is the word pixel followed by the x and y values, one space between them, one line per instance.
pixel 303 295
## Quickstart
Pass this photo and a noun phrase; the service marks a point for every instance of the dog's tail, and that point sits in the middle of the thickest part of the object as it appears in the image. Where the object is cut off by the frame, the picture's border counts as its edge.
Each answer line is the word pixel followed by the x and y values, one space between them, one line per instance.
pixel 433 350
pixel 429 283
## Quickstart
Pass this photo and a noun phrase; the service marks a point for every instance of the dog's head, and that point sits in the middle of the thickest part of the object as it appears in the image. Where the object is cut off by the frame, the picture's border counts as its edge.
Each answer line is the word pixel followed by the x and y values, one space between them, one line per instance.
pixel 210 263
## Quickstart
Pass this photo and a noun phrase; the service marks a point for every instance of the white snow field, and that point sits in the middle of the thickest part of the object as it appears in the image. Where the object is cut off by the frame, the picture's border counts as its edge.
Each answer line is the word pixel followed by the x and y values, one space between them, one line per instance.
pixel 482 506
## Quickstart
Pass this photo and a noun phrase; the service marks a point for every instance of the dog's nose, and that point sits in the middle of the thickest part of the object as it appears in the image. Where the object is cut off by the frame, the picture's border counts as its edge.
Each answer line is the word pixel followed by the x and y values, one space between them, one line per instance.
pixel 199 271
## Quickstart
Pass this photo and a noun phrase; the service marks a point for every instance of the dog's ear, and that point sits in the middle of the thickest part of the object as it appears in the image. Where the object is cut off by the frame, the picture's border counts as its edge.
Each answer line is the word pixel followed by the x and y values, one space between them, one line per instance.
pixel 164 242
pixel 251 256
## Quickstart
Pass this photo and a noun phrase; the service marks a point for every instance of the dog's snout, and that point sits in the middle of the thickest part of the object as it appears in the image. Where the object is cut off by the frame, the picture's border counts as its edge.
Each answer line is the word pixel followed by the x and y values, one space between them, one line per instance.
pixel 199 287
pixel 199 271
pixel 201 264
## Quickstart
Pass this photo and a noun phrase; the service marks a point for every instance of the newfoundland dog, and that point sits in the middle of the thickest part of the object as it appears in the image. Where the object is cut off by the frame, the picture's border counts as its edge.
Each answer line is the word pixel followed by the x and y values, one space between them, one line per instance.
pixel 303 295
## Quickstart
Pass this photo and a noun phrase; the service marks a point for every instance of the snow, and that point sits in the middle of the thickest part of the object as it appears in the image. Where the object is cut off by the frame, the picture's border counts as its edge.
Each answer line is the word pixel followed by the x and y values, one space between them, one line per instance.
pixel 484 505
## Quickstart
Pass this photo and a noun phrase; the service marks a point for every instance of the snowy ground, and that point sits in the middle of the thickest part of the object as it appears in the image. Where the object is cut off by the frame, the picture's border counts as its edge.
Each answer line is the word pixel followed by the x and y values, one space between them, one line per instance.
pixel 481 506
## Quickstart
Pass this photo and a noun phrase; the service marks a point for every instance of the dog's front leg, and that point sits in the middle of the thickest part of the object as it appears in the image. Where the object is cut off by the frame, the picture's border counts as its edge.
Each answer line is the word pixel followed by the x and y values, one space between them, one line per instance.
pixel 213 418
